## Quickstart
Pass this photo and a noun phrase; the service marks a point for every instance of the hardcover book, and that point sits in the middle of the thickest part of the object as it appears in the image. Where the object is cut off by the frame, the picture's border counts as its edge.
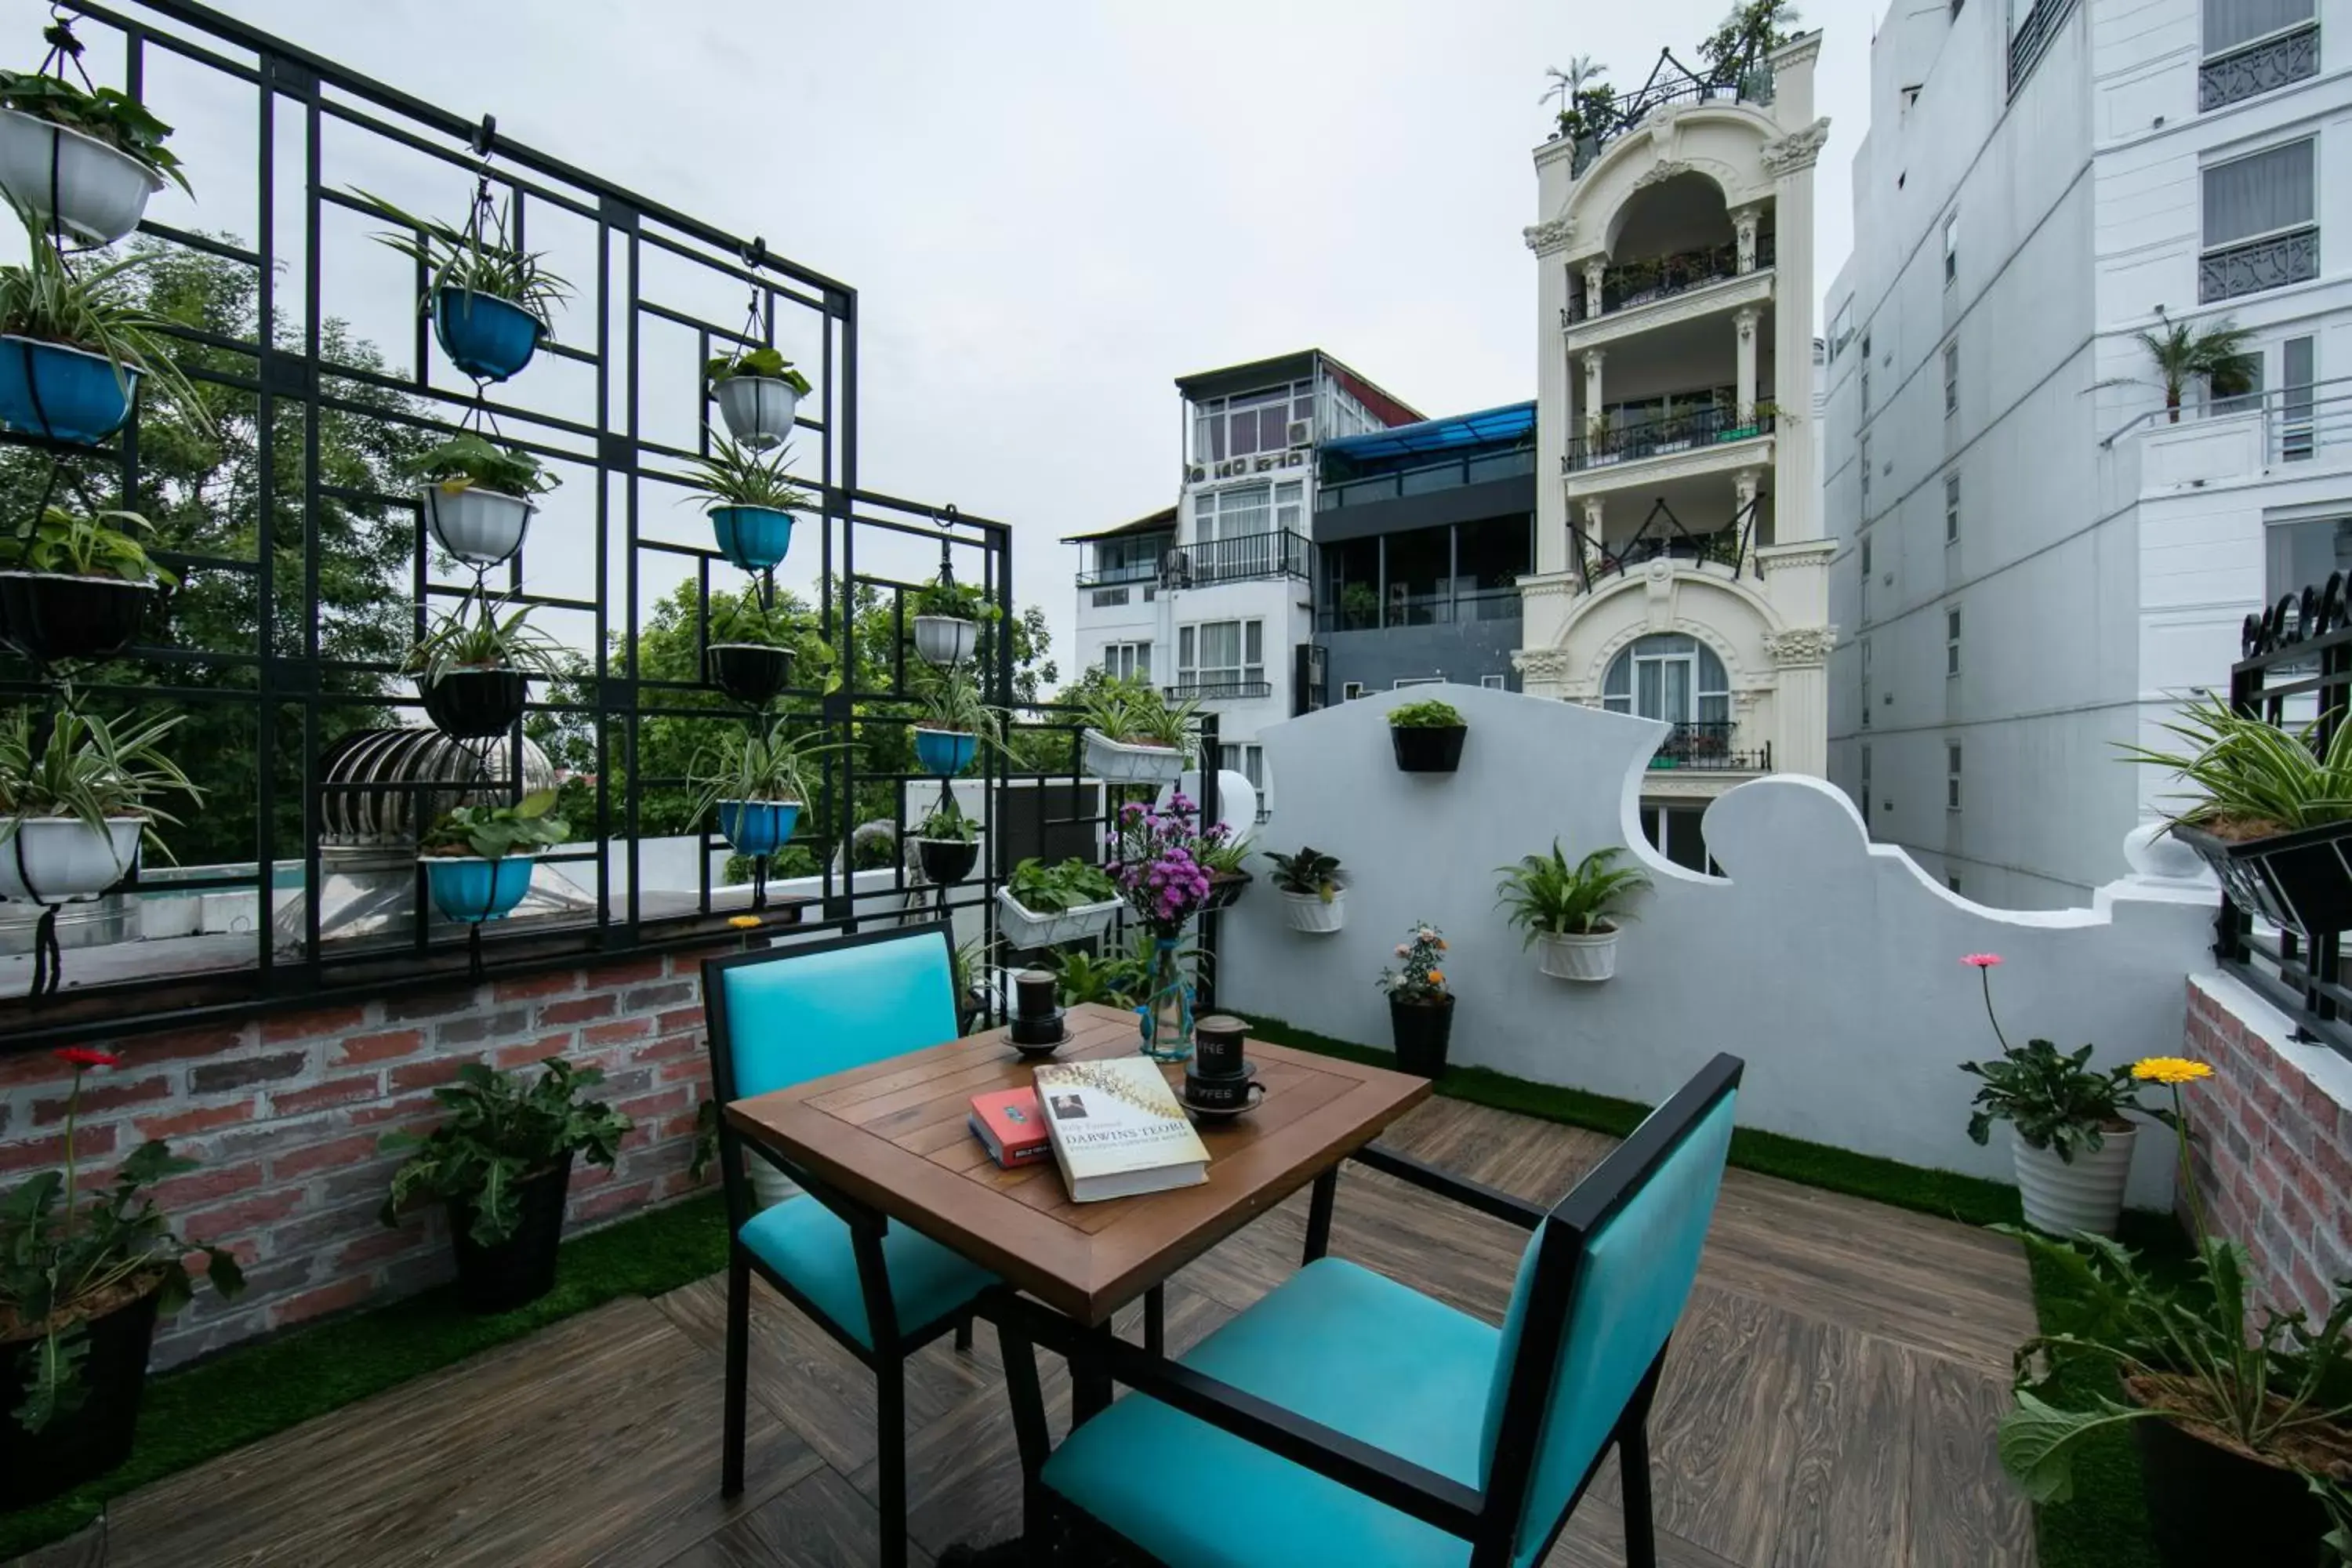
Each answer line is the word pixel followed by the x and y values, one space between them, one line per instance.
pixel 1117 1129
pixel 1009 1127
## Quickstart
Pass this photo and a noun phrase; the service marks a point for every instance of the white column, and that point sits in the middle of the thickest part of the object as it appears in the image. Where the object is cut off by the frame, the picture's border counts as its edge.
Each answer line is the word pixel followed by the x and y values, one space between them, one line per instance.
pixel 1744 322
pixel 1594 521
pixel 1744 486
pixel 1744 224
pixel 1591 359
pixel 1595 272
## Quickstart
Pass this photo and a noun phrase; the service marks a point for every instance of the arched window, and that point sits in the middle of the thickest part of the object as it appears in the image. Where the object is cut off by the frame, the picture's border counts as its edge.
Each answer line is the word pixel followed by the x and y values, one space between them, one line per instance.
pixel 1671 677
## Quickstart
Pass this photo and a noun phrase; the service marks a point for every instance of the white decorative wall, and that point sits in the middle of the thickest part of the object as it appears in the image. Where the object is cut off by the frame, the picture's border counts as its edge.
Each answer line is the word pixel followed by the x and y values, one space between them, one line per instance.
pixel 1831 964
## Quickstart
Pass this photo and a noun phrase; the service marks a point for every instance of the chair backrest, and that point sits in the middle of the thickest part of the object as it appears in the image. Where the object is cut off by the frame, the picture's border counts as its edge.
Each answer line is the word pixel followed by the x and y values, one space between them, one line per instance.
pixel 791 1014
pixel 1600 1288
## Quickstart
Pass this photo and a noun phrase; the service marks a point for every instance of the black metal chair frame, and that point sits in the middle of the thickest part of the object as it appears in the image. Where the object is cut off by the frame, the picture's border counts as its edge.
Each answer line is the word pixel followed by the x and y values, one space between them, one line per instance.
pixel 1488 1520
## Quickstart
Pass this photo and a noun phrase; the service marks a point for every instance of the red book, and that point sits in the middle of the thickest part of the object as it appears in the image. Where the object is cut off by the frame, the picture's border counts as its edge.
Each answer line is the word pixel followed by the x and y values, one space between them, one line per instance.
pixel 1010 1127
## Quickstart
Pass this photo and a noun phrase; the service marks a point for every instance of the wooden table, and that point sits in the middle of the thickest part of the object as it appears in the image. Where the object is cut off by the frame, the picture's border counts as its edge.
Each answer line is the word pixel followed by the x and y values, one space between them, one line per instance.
pixel 892 1135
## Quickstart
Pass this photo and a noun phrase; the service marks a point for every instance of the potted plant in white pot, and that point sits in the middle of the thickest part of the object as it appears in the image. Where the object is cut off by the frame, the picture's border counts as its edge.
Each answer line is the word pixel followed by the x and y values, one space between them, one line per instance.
pixel 489 302
pixel 73 346
pixel 98 152
pixel 1314 890
pixel 478 497
pixel 77 584
pixel 477 859
pixel 947 843
pixel 759 396
pixel 948 618
pixel 2069 1137
pixel 1042 905
pixel 72 820
pixel 1134 734
pixel 474 668
pixel 751 499
pixel 1571 914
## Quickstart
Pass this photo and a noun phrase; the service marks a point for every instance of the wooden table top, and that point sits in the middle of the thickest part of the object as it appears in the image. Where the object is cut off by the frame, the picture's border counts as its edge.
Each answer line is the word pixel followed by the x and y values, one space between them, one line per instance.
pixel 893 1135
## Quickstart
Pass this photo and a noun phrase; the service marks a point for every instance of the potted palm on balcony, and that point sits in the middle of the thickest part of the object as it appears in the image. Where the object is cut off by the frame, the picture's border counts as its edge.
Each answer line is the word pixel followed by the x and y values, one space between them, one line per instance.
pixel 474 668
pixel 73 347
pixel 1313 887
pixel 759 396
pixel 1571 914
pixel 1135 734
pixel 478 859
pixel 751 498
pixel 490 301
pixel 73 816
pixel 97 154
pixel 77 584
pixel 478 497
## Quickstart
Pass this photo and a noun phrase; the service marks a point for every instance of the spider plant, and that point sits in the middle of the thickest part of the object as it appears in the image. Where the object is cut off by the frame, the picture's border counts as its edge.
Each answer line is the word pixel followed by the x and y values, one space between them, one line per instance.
pixel 91 309
pixel 91 769
pixel 762 764
pixel 951 701
pixel 467 459
pixel 1547 897
pixel 86 545
pixel 734 475
pixel 459 259
pixel 122 123
pixel 1130 708
pixel 475 636
pixel 2251 779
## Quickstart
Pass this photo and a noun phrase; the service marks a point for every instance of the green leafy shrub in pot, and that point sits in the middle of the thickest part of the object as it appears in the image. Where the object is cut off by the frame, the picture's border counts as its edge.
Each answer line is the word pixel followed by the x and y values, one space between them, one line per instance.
pixel 89 308
pixel 475 636
pixel 467 263
pixel 1428 715
pixel 946 823
pixel 1308 874
pixel 84 803
pixel 119 120
pixel 762 761
pixel 1048 889
pixel 2250 779
pixel 735 475
pixel 495 832
pixel 1546 896
pixel 86 545
pixel 952 703
pixel 766 364
pixel 467 459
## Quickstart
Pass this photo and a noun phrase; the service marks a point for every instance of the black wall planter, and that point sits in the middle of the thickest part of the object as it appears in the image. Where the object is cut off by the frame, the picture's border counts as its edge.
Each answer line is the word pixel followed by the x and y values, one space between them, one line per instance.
pixel 1423 1031
pixel 96 1437
pixel 2211 1506
pixel 46 615
pixel 474 704
pixel 2301 879
pixel 947 862
pixel 521 1268
pixel 1224 888
pixel 1428 749
pixel 750 673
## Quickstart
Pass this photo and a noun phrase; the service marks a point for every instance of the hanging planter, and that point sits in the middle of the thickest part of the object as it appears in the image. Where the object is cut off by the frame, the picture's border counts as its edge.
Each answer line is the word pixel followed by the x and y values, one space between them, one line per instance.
pixel 474 704
pixel 944 752
pixel 488 338
pixel 472 889
pixel 49 615
pixel 1129 761
pixel 96 1435
pixel 758 827
pixel 1314 912
pixel 754 674
pixel 1565 955
pixel 1023 929
pixel 754 538
pixel 945 639
pixel 1427 737
pixel 63 859
pixel 479 527
pixel 63 393
pixel 102 191
pixel 2301 881
pixel 758 410
pixel 1225 889
pixel 947 862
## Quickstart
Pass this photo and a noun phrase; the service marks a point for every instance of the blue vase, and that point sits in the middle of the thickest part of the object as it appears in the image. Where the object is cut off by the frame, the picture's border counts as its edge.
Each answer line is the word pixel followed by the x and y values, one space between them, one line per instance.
pixel 47 389
pixel 758 826
pixel 1166 1013
pixel 476 890
pixel 751 537
pixel 944 752
pixel 488 338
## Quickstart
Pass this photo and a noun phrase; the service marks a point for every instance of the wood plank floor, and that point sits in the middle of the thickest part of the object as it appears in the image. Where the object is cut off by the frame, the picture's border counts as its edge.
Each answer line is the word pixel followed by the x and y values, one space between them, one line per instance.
pixel 1829 1403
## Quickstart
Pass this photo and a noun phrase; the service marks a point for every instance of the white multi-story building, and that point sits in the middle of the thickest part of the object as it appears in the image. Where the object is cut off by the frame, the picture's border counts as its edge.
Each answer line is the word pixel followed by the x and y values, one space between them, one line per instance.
pixel 1211 598
pixel 1680 570
pixel 2036 557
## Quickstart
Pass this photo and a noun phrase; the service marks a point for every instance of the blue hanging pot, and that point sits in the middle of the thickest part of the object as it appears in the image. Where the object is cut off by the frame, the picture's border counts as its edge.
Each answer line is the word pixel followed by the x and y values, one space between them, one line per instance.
pixel 944 752
pixel 752 537
pixel 758 826
pixel 485 336
pixel 472 889
pixel 47 389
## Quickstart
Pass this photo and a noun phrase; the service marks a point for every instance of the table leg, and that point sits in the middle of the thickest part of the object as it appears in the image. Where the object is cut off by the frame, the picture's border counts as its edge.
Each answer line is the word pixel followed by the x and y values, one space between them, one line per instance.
pixel 1089 1376
pixel 1155 1320
pixel 1318 1214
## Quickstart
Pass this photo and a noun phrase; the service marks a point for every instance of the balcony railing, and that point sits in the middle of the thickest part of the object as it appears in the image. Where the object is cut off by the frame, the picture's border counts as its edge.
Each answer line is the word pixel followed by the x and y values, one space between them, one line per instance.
pixel 1465 607
pixel 1144 571
pixel 1196 566
pixel 1220 690
pixel 1664 536
pixel 1710 746
pixel 2258 67
pixel 1439 474
pixel 2272 261
pixel 1661 436
pixel 2032 37
pixel 1634 283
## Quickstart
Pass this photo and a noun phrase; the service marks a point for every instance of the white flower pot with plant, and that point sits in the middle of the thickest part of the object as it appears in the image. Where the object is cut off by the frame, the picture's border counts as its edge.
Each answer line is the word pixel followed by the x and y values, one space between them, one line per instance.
pixel 476 497
pixel 759 396
pixel 1134 734
pixel 98 158
pixel 1044 906
pixel 1313 888
pixel 1570 914
pixel 948 618
pixel 77 810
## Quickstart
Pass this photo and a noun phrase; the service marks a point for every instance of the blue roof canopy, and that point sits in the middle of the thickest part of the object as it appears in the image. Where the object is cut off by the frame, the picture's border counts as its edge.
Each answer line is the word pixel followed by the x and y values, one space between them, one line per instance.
pixel 1503 427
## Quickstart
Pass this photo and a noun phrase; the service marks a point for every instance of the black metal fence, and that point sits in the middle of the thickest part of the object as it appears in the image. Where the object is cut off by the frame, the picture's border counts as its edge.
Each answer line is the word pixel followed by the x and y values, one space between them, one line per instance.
pixel 1664 536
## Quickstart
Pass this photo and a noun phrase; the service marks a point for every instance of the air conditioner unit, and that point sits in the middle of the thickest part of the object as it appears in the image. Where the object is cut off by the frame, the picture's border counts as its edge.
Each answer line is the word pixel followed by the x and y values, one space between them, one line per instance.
pixel 1263 464
pixel 1293 459
pixel 1232 466
pixel 1300 433
pixel 1195 474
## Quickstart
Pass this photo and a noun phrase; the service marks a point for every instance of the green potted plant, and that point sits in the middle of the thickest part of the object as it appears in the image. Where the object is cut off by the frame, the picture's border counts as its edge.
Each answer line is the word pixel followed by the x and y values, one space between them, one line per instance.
pixel 99 153
pixel 73 346
pixel 947 843
pixel 490 302
pixel 948 618
pixel 756 781
pixel 83 1277
pixel 1044 906
pixel 502 1164
pixel 478 859
pixel 967 971
pixel 1112 980
pixel 476 496
pixel 1225 855
pixel 1135 734
pixel 1314 890
pixel 2069 1138
pixel 1421 1002
pixel 751 498
pixel 1427 736
pixel 1570 912
pixel 759 396
pixel 72 819
pixel 77 584
pixel 474 668
pixel 956 721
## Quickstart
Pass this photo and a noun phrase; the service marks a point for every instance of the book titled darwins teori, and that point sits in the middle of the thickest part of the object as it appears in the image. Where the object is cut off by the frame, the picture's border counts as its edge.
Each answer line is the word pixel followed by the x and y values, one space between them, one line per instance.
pixel 1118 1129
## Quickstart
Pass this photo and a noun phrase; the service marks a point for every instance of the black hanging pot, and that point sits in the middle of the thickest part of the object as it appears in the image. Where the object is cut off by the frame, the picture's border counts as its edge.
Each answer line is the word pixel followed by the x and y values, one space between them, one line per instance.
pixel 1224 888
pixel 1428 748
pixel 2208 1504
pixel 947 862
pixel 521 1268
pixel 96 1437
pixel 474 704
pixel 752 673
pixel 2301 880
pixel 50 615
pixel 1423 1031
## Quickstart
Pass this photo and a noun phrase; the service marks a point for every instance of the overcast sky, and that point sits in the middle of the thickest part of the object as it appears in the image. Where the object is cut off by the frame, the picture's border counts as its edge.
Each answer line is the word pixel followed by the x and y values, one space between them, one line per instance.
pixel 1050 211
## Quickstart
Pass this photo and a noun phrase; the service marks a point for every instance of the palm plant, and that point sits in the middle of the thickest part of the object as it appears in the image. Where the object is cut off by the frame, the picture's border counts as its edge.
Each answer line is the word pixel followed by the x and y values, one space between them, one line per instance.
pixel 1547 897
pixel 736 476
pixel 2217 355
pixel 2250 779
pixel 86 545
pixel 476 637
pixel 761 764
pixel 45 299
pixel 458 258
pixel 90 770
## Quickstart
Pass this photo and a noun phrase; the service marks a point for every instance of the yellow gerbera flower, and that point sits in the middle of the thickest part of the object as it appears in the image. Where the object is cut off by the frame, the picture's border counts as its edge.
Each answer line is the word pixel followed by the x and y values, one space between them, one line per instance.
pixel 2170 1069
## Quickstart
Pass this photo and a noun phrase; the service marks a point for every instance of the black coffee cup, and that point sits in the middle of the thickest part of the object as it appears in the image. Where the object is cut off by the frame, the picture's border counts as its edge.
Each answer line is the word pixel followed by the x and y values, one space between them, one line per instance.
pixel 1033 993
pixel 1217 1047
pixel 1228 1091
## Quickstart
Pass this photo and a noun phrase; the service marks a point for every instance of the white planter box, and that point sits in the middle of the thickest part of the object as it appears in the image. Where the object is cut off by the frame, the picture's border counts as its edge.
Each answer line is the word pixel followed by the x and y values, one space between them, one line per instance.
pixel 479 527
pixel 943 640
pixel 758 409
pixel 1309 912
pixel 57 859
pixel 1021 929
pixel 1116 761
pixel 1565 957
pixel 2087 1194
pixel 102 191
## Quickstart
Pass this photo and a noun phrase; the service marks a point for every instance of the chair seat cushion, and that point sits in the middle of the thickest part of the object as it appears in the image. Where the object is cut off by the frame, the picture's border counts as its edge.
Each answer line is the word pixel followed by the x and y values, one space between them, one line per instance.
pixel 1337 1344
pixel 808 1244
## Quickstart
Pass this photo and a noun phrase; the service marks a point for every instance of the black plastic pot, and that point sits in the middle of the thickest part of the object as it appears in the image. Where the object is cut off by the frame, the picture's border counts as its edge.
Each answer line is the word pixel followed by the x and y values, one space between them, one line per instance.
pixel 521 1268
pixel 1428 748
pixel 2301 880
pixel 750 673
pixel 96 1437
pixel 1224 888
pixel 49 615
pixel 947 862
pixel 2207 1505
pixel 474 704
pixel 1422 1031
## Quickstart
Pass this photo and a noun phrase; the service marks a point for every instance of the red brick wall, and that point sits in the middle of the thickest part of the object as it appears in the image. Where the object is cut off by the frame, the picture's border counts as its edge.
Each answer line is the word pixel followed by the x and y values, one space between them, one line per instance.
pixel 2273 1143
pixel 285 1112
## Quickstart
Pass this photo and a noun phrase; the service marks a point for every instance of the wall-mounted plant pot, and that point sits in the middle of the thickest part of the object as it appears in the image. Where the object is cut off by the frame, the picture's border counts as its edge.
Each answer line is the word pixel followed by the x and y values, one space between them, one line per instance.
pixel 49 615
pixel 944 752
pixel 1428 748
pixel 758 409
pixel 1313 912
pixel 758 826
pixel 474 704
pixel 96 1436
pixel 2301 880
pixel 751 537
pixel 752 673
pixel 1224 888
pixel 2206 1504
pixel 1124 762
pixel 1022 929
pixel 488 338
pixel 65 395
pixel 943 640
pixel 469 888
pixel 478 527
pixel 1571 956
pixel 2086 1192
pixel 1421 1032
pixel 521 1268
pixel 62 859
pixel 102 191
pixel 946 861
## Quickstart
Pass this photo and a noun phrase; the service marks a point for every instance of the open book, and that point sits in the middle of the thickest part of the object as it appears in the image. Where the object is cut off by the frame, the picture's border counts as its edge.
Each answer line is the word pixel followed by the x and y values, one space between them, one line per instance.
pixel 1118 1129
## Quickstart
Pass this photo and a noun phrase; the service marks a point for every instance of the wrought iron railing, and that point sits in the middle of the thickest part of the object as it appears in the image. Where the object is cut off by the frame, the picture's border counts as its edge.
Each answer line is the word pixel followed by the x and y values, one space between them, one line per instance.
pixel 1671 81
pixel 1251 555
pixel 2262 66
pixel 1664 537
pixel 1220 691
pixel 1144 571
pixel 2271 261
pixel 1665 435
pixel 1710 746
pixel 1631 284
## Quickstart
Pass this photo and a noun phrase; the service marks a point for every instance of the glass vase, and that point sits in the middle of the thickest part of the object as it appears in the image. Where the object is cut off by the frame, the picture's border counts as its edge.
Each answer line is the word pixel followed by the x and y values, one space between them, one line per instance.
pixel 1167 1010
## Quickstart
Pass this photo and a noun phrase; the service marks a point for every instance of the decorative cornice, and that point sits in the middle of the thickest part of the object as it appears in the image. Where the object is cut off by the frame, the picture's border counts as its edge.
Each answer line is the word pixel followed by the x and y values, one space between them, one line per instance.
pixel 1801 645
pixel 1546 664
pixel 1551 584
pixel 1550 236
pixel 1662 171
pixel 1797 150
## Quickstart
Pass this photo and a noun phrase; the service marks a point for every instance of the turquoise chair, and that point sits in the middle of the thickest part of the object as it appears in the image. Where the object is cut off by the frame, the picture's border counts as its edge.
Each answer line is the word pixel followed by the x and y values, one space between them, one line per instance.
pixel 783 1016
pixel 1346 1420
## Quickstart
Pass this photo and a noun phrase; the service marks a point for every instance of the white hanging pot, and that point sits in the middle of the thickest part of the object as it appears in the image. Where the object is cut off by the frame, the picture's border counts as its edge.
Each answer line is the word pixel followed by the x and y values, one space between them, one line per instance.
pixel 62 859
pixel 2086 1195
pixel 758 409
pixel 943 640
pixel 1117 761
pixel 102 191
pixel 1312 912
pixel 479 527
pixel 1569 956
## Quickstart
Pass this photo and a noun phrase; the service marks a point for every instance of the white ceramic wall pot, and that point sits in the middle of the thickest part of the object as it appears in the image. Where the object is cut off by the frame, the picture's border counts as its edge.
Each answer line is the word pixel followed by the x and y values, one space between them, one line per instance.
pixel 60 859
pixel 943 640
pixel 479 527
pixel 102 191
pixel 1311 912
pixel 2086 1195
pixel 1117 761
pixel 1565 957
pixel 758 410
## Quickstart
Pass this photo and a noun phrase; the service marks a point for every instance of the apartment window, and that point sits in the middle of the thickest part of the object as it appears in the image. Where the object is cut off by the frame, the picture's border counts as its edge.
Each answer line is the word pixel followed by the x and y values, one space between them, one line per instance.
pixel 1865 478
pixel 1952 249
pixel 1952 379
pixel 1952 506
pixel 1952 640
pixel 1128 660
pixel 2259 223
pixel 1865 378
pixel 1250 423
pixel 2295 364
pixel 1670 677
pixel 1866 789
pixel 1234 513
pixel 1491 682
pixel 1399 685
pixel 1221 654
pixel 1350 691
pixel 1864 591
pixel 1840 330
pixel 2254 47
pixel 1249 761
pixel 1952 775
pixel 1865 683
pixel 1290 507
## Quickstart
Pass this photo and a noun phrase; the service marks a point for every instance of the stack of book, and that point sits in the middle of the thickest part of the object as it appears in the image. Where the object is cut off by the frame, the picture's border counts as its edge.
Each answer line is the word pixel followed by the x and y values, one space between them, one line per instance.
pixel 1114 1127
